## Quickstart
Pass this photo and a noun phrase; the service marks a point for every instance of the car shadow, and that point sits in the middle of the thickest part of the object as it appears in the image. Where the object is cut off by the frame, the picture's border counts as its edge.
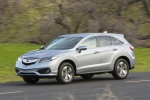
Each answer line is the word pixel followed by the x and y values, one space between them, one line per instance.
pixel 53 82
pixel 77 80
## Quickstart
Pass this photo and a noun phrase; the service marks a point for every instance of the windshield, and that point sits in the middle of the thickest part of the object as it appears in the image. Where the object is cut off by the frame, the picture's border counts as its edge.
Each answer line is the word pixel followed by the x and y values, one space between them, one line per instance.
pixel 62 43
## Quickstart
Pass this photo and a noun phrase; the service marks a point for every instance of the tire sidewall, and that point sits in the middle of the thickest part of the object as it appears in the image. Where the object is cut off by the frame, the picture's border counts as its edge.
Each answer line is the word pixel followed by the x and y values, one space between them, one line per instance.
pixel 116 64
pixel 59 76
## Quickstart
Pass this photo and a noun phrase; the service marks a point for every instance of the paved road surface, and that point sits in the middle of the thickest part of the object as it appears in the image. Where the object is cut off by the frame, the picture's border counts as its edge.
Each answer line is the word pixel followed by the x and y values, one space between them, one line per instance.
pixel 101 87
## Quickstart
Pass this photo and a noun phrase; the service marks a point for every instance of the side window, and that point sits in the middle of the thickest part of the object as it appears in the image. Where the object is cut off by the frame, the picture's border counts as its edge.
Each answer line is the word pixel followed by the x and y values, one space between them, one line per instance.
pixel 89 43
pixel 104 41
pixel 116 41
pixel 113 41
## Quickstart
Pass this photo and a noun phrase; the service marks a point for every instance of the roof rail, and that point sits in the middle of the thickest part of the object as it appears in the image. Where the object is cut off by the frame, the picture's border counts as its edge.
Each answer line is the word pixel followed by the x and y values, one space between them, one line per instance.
pixel 105 32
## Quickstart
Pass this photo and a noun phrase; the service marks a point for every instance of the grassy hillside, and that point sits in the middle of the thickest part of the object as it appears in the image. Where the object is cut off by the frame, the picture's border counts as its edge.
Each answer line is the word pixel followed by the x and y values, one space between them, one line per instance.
pixel 40 20
pixel 10 52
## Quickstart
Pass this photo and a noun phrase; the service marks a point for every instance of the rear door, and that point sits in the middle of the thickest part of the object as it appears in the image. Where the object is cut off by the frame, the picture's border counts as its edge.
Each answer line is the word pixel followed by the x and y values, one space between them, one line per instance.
pixel 107 52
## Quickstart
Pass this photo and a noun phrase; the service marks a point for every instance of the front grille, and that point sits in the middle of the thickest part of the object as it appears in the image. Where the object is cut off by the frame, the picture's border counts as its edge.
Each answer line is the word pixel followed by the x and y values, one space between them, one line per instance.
pixel 22 73
pixel 28 63
pixel 26 70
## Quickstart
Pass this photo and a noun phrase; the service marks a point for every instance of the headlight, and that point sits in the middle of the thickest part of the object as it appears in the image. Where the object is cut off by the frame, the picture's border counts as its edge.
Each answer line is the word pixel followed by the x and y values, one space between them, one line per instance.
pixel 47 59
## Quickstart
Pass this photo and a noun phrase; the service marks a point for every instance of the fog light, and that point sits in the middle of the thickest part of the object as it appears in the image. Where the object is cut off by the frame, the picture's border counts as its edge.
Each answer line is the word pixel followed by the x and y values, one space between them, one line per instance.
pixel 44 71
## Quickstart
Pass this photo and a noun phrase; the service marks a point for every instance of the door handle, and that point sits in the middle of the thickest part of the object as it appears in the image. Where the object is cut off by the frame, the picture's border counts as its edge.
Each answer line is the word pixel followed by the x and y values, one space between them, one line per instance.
pixel 96 52
pixel 115 49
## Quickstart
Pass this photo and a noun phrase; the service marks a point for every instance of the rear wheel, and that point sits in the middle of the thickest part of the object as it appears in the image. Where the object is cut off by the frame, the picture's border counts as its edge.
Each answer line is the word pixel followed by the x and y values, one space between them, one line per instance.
pixel 121 69
pixel 65 73
pixel 31 80
pixel 87 76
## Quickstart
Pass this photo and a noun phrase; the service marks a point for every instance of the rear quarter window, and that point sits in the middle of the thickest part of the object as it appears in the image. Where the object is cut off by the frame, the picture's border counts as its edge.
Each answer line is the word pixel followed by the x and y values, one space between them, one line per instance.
pixel 116 41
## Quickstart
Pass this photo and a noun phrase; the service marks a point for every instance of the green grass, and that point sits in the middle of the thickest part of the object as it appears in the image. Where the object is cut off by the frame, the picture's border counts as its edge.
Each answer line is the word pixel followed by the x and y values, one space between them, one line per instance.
pixel 142 63
pixel 8 56
pixel 10 52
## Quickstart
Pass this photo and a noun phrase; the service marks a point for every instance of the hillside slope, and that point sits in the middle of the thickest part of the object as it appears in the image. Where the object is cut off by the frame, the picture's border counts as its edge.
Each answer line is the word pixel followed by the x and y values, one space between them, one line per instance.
pixel 38 21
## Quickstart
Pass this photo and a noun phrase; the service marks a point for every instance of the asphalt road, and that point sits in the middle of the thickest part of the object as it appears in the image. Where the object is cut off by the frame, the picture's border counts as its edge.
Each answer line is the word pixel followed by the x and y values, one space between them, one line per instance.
pixel 100 87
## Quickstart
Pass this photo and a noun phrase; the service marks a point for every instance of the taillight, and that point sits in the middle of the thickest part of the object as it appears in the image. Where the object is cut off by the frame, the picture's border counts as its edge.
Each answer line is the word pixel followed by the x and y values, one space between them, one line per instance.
pixel 132 48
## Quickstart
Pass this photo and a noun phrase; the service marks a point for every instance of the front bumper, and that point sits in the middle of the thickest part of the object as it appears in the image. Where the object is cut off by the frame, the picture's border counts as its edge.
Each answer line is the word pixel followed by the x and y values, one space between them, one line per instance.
pixel 41 73
pixel 41 70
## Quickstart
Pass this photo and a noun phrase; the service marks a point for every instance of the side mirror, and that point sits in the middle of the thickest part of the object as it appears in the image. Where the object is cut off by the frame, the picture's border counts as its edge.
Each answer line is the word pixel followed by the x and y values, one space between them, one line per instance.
pixel 79 49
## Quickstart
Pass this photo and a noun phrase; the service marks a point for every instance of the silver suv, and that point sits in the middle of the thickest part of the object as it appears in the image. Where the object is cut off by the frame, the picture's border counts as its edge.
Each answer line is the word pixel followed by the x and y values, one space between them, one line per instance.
pixel 78 54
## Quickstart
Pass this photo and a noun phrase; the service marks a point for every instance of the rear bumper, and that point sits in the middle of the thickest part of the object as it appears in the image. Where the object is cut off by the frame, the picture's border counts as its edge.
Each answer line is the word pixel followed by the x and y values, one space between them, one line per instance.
pixel 132 67
pixel 132 63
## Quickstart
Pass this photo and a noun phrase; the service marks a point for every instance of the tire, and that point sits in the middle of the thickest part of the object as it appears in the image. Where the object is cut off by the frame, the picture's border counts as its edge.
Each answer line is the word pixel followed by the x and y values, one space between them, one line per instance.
pixel 121 69
pixel 65 73
pixel 31 80
pixel 87 76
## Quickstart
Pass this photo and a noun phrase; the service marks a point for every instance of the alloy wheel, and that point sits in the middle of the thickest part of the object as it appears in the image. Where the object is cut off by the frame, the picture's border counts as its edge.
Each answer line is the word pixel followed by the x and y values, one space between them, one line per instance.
pixel 67 73
pixel 122 69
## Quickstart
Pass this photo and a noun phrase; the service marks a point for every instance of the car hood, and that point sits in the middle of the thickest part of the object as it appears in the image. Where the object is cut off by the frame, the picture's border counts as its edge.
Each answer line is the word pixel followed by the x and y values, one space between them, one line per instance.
pixel 43 53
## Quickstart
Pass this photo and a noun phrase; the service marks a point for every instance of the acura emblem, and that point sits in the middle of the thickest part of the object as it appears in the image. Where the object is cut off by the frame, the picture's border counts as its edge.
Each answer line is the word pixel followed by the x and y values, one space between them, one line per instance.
pixel 30 60
pixel 27 60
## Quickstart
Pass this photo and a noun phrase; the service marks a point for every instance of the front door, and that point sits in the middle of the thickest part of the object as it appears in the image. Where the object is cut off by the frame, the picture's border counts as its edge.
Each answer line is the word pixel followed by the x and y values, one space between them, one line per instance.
pixel 88 60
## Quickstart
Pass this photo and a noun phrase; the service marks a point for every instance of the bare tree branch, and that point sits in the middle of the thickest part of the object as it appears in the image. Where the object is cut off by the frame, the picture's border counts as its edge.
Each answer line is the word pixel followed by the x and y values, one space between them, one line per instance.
pixel 60 20
pixel 146 4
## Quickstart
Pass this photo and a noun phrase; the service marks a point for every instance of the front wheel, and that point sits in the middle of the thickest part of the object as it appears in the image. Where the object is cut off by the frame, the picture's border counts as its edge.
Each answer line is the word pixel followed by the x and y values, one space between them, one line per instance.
pixel 121 69
pixel 65 73
pixel 31 80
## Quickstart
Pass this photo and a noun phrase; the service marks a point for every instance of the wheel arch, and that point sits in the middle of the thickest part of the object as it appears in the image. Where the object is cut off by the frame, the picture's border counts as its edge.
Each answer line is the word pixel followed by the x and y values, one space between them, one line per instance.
pixel 71 62
pixel 125 58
